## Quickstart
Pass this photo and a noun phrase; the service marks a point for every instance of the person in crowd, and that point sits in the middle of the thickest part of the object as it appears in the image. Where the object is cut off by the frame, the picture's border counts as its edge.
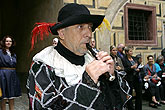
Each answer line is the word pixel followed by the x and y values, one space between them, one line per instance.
pixel 93 43
pixel 139 67
pixel 130 67
pixel 118 63
pixel 139 81
pixel 10 84
pixel 55 41
pixel 120 52
pixel 160 70
pixel 66 76
pixel 163 53
pixel 153 81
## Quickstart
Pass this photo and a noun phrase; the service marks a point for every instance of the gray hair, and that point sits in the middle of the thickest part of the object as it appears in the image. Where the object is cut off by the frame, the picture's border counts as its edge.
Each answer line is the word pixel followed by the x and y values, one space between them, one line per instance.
pixel 159 59
pixel 120 45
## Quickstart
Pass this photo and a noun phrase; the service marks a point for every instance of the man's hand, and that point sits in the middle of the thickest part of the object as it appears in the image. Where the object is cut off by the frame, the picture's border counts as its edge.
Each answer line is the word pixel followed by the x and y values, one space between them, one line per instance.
pixel 98 67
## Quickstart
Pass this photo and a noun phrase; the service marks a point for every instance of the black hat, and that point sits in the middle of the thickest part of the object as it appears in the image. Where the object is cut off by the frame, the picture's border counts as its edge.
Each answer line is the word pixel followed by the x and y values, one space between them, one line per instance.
pixel 72 14
pixel 69 15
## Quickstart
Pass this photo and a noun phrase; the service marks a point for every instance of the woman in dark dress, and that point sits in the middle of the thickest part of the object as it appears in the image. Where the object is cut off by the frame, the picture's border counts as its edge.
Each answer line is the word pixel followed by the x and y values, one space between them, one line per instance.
pixel 9 81
pixel 133 79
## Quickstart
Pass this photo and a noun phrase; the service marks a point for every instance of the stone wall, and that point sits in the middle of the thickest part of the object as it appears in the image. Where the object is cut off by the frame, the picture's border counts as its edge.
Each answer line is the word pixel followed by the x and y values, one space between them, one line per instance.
pixel 117 35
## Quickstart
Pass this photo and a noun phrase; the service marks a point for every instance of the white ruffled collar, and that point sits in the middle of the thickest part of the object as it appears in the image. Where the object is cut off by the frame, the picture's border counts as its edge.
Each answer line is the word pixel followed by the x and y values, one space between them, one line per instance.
pixel 63 68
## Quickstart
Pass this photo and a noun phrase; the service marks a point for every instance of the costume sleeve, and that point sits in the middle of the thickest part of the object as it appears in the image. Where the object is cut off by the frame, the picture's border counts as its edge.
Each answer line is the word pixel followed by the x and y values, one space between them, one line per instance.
pixel 48 91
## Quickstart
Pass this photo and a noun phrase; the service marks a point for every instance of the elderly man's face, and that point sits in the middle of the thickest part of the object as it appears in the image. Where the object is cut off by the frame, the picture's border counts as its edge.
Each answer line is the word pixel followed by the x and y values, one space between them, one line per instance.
pixel 75 37
pixel 121 48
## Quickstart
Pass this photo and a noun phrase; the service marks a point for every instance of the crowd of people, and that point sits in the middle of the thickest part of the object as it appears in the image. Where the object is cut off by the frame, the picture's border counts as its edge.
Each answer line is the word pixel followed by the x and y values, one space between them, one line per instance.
pixel 71 75
pixel 149 77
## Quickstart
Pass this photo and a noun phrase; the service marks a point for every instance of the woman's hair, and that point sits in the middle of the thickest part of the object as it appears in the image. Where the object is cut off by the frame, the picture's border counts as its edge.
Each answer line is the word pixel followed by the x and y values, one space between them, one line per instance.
pixel 149 56
pixel 127 49
pixel 138 56
pixel 159 59
pixel 112 47
pixel 3 46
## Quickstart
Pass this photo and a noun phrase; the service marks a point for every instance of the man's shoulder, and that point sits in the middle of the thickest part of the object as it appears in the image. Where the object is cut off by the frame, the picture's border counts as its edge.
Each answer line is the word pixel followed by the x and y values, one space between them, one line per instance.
pixel 44 53
pixel 47 49
pixel 46 56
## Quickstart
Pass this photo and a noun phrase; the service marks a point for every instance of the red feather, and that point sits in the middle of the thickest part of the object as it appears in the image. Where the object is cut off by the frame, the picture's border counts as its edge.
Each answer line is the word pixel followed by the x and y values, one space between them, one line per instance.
pixel 41 30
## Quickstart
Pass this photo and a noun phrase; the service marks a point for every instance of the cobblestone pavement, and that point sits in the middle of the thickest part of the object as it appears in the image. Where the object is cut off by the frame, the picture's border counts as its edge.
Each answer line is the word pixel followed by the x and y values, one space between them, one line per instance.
pixel 145 106
pixel 22 104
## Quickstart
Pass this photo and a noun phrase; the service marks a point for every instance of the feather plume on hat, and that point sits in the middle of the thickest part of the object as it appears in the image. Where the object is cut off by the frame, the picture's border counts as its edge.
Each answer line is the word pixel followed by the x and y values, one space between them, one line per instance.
pixel 41 30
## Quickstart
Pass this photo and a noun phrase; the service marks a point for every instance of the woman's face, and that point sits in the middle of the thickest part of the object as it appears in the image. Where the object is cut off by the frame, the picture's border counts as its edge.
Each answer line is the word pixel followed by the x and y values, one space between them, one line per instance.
pixel 130 52
pixel 140 60
pixel 8 42
pixel 114 51
pixel 150 60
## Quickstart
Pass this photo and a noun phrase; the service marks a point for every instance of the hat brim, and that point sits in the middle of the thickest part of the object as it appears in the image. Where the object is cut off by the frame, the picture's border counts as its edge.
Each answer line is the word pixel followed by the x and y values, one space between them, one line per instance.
pixel 96 20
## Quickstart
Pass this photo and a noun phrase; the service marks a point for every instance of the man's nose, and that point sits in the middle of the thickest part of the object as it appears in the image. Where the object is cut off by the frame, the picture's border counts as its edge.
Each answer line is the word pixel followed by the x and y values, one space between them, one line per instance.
pixel 88 33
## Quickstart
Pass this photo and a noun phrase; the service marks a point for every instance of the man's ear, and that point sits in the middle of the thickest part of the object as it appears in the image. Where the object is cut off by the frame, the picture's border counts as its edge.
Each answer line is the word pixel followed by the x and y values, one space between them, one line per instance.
pixel 61 33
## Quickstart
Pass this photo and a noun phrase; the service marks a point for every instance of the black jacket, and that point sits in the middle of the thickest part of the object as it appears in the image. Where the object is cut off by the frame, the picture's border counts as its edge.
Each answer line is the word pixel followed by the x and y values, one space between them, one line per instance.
pixel 127 68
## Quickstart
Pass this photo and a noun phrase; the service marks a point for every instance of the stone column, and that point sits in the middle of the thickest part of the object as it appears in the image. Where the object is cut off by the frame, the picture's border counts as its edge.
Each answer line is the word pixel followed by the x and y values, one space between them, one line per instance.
pixel 110 14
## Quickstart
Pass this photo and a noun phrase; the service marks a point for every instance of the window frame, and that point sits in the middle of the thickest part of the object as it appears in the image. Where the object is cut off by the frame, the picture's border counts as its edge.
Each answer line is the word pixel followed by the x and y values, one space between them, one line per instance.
pixel 152 25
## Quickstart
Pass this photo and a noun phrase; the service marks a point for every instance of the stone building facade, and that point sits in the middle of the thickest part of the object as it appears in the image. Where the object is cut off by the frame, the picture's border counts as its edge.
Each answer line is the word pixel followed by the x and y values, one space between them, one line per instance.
pixel 17 18
pixel 117 21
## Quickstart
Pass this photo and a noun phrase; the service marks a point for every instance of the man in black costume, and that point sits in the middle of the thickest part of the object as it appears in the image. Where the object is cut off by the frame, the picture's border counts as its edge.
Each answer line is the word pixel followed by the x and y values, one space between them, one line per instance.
pixel 66 76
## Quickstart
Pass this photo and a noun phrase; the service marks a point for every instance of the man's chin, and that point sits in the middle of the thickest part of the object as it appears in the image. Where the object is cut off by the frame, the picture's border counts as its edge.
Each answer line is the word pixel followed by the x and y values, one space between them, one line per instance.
pixel 83 52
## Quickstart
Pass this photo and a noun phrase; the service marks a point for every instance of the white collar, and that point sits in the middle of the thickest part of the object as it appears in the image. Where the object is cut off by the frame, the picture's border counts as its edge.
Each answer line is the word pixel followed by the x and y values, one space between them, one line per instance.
pixel 63 68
